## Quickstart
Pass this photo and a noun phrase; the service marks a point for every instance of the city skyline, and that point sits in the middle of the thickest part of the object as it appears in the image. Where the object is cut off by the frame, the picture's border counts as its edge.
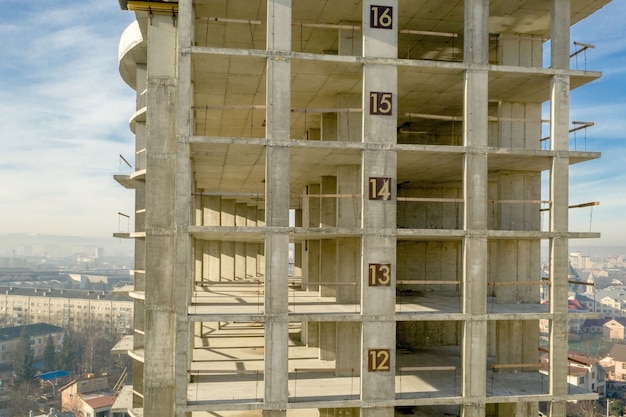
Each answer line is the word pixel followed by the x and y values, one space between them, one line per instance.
pixel 65 114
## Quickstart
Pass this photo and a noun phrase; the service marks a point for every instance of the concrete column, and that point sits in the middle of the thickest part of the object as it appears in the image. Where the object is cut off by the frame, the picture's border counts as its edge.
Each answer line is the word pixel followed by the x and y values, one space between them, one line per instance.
pixel 378 219
pixel 211 206
pixel 241 212
pixel 348 123
pixel 260 258
pixel 328 266
pixel 328 218
pixel 198 255
pixel 183 279
pixel 559 186
pixel 348 355
pixel 311 218
pixel 311 256
pixel 251 248
pixel 519 126
pixel 211 261
pixel 161 221
pixel 475 187
pixel 350 42
pixel 297 247
pixel 227 254
pixel 517 260
pixel 328 131
pixel 278 100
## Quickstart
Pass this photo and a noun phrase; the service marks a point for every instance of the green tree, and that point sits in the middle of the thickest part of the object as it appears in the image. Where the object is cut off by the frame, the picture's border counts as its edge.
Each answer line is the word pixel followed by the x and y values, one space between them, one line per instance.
pixel 24 366
pixel 49 355
pixel 68 354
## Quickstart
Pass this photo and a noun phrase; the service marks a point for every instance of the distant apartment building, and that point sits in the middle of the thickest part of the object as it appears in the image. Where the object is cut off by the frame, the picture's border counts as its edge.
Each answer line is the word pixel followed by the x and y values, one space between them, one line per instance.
pixel 615 262
pixel 66 308
pixel 580 261
pixel 38 333
pixel 610 301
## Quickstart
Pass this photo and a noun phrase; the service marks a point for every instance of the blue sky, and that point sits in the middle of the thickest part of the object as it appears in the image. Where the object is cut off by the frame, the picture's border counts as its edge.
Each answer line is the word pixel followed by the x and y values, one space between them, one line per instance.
pixel 64 114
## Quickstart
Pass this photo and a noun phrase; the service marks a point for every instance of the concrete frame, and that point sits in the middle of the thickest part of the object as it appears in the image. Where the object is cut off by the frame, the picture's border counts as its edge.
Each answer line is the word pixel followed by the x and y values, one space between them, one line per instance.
pixel 311 220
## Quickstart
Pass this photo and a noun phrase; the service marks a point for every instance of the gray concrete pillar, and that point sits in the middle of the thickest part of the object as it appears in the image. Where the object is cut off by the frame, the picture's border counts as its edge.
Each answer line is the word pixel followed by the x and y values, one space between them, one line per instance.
pixel 328 266
pixel 475 188
pixel 512 186
pixel 241 213
pixel 278 104
pixel 519 126
pixel 198 255
pixel 328 127
pixel 211 216
pixel 297 247
pixel 327 340
pixel 378 219
pixel 311 209
pixel 183 278
pixel 211 206
pixel 260 258
pixel 350 41
pixel 348 269
pixel 227 254
pixel 559 185
pixel 251 248
pixel 348 123
pixel 161 222
pixel 328 247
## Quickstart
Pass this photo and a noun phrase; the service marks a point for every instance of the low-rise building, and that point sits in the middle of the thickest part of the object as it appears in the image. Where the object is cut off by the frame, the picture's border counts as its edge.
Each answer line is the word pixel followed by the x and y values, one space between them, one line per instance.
pixel 38 333
pixel 88 397
pixel 613 329
pixel 67 308
pixel 584 373
pixel 593 326
pixel 587 373
pixel 615 363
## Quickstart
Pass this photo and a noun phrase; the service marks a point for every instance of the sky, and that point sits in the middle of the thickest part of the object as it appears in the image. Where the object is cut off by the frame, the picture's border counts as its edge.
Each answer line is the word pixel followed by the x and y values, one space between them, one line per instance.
pixel 64 114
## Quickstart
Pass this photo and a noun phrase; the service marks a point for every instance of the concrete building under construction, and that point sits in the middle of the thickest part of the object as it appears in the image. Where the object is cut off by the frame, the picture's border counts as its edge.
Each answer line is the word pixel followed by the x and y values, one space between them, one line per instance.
pixel 340 208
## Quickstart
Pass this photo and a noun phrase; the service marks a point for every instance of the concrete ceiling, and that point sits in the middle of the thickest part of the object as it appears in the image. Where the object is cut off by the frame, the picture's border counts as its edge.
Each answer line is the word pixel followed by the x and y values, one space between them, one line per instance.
pixel 230 90
pixel 240 166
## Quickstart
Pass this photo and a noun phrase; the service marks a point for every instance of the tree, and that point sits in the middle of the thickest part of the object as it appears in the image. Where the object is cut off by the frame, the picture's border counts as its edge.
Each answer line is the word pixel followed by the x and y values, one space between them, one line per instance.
pixel 616 408
pixel 68 353
pixel 24 366
pixel 49 355
pixel 587 408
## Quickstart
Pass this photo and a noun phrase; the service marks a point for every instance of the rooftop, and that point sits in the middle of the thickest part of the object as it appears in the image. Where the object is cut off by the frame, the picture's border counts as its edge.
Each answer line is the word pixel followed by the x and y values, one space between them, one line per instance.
pixel 37 329
pixel 78 294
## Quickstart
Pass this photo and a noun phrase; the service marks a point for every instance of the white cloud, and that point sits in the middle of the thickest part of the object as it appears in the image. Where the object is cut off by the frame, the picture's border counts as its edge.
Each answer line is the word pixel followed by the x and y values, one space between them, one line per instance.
pixel 64 113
